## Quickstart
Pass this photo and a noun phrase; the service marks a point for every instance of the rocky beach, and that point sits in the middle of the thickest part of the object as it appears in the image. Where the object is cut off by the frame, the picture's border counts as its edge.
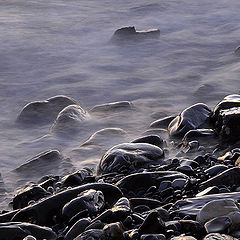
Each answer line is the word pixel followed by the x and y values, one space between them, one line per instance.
pixel 119 120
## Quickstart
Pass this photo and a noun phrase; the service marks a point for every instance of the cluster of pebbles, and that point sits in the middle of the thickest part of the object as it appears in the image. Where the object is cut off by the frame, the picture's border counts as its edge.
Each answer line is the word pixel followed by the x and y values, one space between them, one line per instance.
pixel 138 191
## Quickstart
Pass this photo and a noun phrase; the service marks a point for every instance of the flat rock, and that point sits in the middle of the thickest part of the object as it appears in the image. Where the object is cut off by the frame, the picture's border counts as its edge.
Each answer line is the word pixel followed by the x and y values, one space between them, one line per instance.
pixel 42 112
pixel 191 118
pixel 130 156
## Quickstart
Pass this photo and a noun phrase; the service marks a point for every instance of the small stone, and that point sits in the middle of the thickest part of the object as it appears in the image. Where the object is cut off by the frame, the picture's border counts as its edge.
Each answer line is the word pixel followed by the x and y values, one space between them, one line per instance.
pixel 153 237
pixel 113 231
pixel 218 224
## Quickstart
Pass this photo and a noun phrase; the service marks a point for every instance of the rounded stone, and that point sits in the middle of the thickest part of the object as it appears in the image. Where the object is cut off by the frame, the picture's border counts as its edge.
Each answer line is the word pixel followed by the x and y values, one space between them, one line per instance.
pixel 218 224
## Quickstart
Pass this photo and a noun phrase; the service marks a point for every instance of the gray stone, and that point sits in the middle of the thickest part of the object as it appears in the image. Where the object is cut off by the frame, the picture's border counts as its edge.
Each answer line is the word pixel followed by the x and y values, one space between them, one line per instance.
pixel 112 107
pixel 218 236
pixel 218 224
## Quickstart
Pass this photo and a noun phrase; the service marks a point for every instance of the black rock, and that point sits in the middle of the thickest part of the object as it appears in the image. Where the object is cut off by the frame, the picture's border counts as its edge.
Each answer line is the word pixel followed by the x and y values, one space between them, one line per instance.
pixel 191 118
pixel 92 234
pixel 214 170
pixel 208 191
pixel 162 122
pixel 151 139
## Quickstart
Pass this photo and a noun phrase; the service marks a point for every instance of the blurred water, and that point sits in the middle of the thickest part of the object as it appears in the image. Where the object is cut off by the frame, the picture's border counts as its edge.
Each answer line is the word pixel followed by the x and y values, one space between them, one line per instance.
pixel 62 47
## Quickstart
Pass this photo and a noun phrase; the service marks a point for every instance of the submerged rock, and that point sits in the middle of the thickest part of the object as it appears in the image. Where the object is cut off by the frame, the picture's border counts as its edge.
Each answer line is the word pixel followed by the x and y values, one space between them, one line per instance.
pixel 42 112
pixel 69 119
pixel 191 118
pixel 130 156
pixel 129 34
pixel 112 107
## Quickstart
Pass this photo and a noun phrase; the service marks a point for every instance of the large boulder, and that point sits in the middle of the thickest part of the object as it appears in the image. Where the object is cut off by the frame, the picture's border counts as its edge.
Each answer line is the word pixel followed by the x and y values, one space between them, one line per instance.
pixel 191 118
pixel 130 156
pixel 42 112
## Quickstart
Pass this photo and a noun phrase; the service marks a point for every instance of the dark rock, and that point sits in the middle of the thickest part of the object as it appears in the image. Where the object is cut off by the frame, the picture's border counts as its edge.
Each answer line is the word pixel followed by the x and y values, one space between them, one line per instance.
pixel 42 212
pixel 179 183
pixel 131 235
pixel 92 234
pixel 27 194
pixel 7 216
pixel 77 229
pixel 96 225
pixel 151 203
pixel 113 107
pixel 91 200
pixel 208 191
pixel 130 156
pixel 195 228
pixel 192 206
pixel 130 34
pixel 153 237
pixel 186 170
pixel 151 139
pixel 214 170
pixel 218 224
pixel 191 163
pixel 229 177
pixel 113 231
pixel 141 208
pixel 152 224
pixel 164 185
pixel 70 119
pixel 42 112
pixel 162 123
pixel 218 236
pixel 191 118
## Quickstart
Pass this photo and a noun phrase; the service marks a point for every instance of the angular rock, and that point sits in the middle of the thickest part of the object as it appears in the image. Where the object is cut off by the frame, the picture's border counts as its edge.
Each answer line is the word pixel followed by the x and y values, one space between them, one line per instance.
pixel 130 156
pixel 218 224
pixel 130 34
pixel 42 112
pixel 191 118
pixel 216 208
pixel 70 119
pixel 91 200
pixel 229 177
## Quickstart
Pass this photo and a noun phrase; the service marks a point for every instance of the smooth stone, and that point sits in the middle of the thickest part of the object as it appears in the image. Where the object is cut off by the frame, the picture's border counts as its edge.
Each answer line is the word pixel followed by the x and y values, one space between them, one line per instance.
pixel 91 200
pixel 33 192
pixel 96 225
pixel 6 217
pixel 92 234
pixel 218 224
pixel 152 224
pixel 191 118
pixel 207 191
pixel 143 181
pixel 129 156
pixel 195 228
pixel 42 112
pixel 183 238
pixel 9 229
pixel 188 170
pixel 152 237
pixel 29 237
pixel 192 206
pixel 162 122
pixel 113 231
pixel 77 229
pixel 191 163
pixel 162 133
pixel 197 134
pixel 37 164
pixel 229 177
pixel 151 203
pixel 216 208
pixel 214 170
pixel 179 183
pixel 164 185
pixel 112 107
pixel 70 119
pixel 126 34
pixel 235 217
pixel 43 211
pixel 141 208
pixel 218 236
pixel 151 139
pixel 228 102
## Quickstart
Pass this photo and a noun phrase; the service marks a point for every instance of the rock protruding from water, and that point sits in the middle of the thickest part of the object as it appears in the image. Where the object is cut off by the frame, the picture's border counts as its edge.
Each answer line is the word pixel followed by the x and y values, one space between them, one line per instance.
pixel 130 156
pixel 43 112
pixel 130 34
pixel 70 119
pixel 189 119
pixel 112 107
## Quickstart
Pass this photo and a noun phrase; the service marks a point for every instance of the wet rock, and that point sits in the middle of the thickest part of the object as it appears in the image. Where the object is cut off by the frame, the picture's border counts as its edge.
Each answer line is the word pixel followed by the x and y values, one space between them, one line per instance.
pixel 195 228
pixel 218 236
pixel 77 229
pixel 162 122
pixel 91 200
pixel 7 216
pixel 191 118
pixel 229 177
pixel 164 185
pixel 130 156
pixel 152 237
pixel 216 208
pixel 37 164
pixel 218 224
pixel 92 234
pixel 70 119
pixel 42 112
pixel 179 183
pixel 214 170
pixel 207 191
pixel 183 238
pixel 96 225
pixel 113 231
pixel 112 107
pixel 27 194
pixel 191 163
pixel 130 34
pixel 152 224
pixel 15 230
pixel 151 203
pixel 29 237
pixel 43 212
pixel 151 139
pixel 142 181
pixel 192 206
pixel 205 135
pixel 77 178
